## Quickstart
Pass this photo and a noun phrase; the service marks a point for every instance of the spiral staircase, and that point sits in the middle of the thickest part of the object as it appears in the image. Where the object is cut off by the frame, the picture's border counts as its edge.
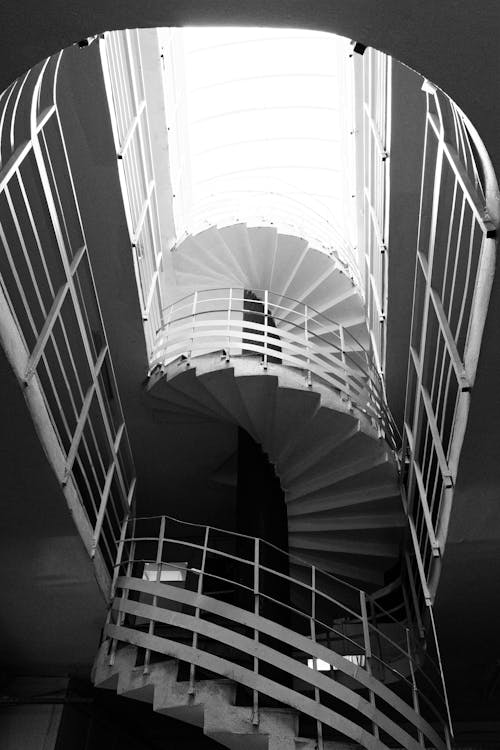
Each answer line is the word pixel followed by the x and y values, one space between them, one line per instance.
pixel 235 647
pixel 267 333
pixel 304 387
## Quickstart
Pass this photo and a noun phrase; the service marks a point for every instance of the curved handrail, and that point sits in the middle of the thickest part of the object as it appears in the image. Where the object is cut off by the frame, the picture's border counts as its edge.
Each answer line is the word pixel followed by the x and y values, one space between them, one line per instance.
pixel 294 665
pixel 48 286
pixel 324 612
pixel 290 332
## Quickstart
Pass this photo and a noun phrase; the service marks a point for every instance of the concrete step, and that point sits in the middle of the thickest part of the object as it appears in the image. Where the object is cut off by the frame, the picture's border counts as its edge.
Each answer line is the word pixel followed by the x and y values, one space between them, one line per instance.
pixel 294 409
pixel 351 567
pixel 352 446
pixel 167 395
pixel 264 241
pixel 224 262
pixel 224 389
pixel 373 491
pixel 344 541
pixel 237 238
pixel 354 521
pixel 289 254
pixel 196 255
pixel 321 435
pixel 210 705
pixel 330 477
pixel 192 387
pixel 259 398
pixel 314 265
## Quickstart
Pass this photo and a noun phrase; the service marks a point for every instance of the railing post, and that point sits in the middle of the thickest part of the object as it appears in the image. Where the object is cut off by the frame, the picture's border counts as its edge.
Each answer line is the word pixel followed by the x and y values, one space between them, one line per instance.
pixel 116 573
pixel 308 360
pixel 319 725
pixel 266 326
pixel 229 310
pixel 192 669
pixel 159 555
pixel 449 728
pixel 344 365
pixel 256 610
pixel 368 651
pixel 193 327
pixel 167 329
pixel 124 596
pixel 119 555
pixel 416 704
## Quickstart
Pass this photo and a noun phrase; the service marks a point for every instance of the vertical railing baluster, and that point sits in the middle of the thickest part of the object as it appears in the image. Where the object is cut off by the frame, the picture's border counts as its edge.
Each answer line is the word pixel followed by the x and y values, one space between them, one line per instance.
pixel 308 358
pixel 319 725
pixel 449 727
pixel 344 365
pixel 192 669
pixel 124 596
pixel 256 609
pixel 266 327
pixel 193 327
pixel 368 652
pixel 159 554
pixel 229 310
pixel 167 331
pixel 416 704
pixel 116 574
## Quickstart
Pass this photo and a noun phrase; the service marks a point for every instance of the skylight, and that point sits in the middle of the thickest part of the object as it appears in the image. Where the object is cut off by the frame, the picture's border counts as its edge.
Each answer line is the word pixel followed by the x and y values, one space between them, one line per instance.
pixel 260 130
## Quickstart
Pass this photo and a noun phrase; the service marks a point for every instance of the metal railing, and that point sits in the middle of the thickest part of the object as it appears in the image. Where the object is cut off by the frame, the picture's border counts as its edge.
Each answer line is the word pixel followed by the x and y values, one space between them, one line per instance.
pixel 239 606
pixel 282 331
pixel 121 58
pixel 51 325
pixel 455 257
pixel 375 121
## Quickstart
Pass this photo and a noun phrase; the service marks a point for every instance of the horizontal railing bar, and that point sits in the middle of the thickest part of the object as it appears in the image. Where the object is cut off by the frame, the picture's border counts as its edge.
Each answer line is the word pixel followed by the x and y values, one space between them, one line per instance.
pixel 468 188
pixel 238 585
pixel 281 633
pixel 204 331
pixel 314 312
pixel 269 655
pixel 249 679
pixel 135 519
pixel 289 579
pixel 273 333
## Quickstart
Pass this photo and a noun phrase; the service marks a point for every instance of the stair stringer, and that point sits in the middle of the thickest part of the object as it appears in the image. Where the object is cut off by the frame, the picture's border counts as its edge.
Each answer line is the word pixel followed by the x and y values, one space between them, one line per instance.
pixel 209 703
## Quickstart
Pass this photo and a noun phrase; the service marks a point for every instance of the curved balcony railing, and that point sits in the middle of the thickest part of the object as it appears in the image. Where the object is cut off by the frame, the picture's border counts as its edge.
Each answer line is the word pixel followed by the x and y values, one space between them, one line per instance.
pixel 280 330
pixel 230 605
pixel 50 323
pixel 455 261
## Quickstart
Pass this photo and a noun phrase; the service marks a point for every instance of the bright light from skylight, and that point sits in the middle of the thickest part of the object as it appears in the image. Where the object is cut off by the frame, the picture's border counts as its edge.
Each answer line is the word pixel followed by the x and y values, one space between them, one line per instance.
pixel 359 660
pixel 261 127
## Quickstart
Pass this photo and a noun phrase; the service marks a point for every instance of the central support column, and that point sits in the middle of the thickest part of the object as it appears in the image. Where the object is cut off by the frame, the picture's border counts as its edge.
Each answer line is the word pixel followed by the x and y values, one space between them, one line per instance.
pixel 261 509
pixel 261 512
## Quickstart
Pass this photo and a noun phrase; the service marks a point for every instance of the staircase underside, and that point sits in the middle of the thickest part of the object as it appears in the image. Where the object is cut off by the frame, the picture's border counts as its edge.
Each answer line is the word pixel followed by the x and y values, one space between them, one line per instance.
pixel 339 478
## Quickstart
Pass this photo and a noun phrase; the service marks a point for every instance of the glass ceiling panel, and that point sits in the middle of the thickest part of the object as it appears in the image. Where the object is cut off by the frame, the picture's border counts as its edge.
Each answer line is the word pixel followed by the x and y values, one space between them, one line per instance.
pixel 262 131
